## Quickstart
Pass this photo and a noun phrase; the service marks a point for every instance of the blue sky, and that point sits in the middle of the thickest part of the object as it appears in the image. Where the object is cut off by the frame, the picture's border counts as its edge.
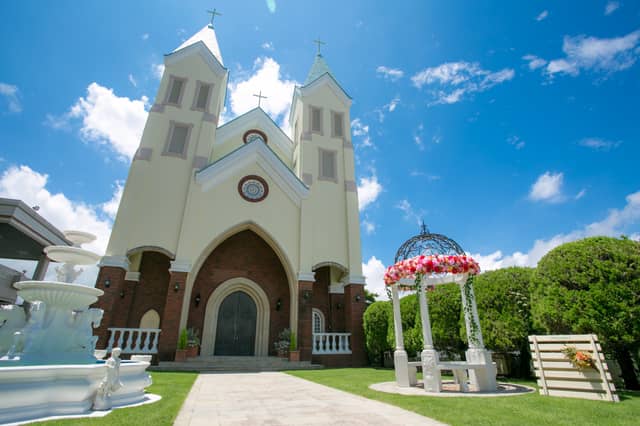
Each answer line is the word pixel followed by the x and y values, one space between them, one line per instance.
pixel 508 126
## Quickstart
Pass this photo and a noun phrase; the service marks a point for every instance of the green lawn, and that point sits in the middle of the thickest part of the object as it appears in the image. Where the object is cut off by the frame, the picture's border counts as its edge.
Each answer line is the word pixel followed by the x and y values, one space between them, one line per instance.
pixel 529 409
pixel 173 387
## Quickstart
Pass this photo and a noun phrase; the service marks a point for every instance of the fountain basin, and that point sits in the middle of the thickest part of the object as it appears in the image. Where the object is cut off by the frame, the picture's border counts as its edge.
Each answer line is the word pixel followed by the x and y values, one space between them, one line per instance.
pixel 72 255
pixel 61 295
pixel 36 391
pixel 79 237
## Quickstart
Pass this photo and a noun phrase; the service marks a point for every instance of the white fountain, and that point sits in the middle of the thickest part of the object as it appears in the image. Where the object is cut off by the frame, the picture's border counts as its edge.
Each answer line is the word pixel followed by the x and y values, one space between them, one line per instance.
pixel 49 368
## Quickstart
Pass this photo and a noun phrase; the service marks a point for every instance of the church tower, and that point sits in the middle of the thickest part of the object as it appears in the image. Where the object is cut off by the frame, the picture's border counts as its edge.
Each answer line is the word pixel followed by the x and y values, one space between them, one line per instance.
pixel 238 231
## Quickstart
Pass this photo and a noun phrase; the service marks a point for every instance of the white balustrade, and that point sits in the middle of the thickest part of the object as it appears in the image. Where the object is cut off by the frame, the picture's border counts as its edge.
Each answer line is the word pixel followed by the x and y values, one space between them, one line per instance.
pixel 134 340
pixel 331 343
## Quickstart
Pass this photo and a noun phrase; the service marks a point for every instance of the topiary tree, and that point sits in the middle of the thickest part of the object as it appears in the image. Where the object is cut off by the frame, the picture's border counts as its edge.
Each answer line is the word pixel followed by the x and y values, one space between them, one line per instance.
pixel 593 286
pixel 503 299
pixel 376 323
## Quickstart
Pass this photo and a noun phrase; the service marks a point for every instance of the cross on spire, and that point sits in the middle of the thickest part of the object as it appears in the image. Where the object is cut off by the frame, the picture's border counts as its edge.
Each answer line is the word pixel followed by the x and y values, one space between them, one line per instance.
pixel 423 228
pixel 260 97
pixel 319 43
pixel 213 14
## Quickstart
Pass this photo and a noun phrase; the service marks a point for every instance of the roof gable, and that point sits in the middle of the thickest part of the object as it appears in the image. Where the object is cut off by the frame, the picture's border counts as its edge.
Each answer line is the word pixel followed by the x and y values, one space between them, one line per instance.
pixel 254 152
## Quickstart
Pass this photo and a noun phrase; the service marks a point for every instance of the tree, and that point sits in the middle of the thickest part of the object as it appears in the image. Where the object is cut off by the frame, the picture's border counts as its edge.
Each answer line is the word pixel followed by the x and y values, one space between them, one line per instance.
pixel 445 314
pixel 376 323
pixel 593 286
pixel 503 299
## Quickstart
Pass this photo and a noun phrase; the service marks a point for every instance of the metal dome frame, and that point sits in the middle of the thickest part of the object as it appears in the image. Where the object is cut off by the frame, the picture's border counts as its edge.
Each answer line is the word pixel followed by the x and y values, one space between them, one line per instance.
pixel 429 244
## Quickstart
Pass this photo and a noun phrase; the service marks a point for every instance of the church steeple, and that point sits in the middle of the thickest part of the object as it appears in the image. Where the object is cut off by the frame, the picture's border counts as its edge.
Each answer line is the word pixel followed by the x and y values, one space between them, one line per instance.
pixel 206 35
pixel 318 69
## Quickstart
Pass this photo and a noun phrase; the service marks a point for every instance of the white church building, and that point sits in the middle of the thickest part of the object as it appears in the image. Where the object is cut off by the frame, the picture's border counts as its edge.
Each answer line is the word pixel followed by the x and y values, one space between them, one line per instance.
pixel 238 230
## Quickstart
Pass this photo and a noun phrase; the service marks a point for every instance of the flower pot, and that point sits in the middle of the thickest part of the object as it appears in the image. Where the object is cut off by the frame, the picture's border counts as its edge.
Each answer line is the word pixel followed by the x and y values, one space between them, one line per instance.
pixel 181 355
pixel 294 356
pixel 192 351
pixel 282 353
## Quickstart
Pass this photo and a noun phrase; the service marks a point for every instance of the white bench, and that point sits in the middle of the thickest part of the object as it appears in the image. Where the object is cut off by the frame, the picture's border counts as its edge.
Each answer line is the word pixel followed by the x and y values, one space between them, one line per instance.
pixel 459 369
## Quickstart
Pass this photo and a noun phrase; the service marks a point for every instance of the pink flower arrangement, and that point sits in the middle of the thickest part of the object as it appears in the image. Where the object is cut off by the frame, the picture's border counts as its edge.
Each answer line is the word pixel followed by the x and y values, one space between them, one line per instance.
pixel 432 264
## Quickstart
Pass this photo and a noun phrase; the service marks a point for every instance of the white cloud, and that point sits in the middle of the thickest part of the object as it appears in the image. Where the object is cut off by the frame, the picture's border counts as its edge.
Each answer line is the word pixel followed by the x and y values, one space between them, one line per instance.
pixel 614 224
pixel 110 208
pixel 157 70
pixel 267 45
pixel 451 81
pixel 599 144
pixel 373 272
pixel 516 142
pixel 534 62
pixel 606 55
pixel 611 7
pixel 11 94
pixel 133 81
pixel 418 137
pixel 393 74
pixel 271 5
pixel 391 106
pixel 266 78
pixel 542 15
pixel 368 191
pixel 145 36
pixel 361 130
pixel 369 226
pixel 581 194
pixel 31 187
pixel 548 187
pixel 107 119
pixel 410 214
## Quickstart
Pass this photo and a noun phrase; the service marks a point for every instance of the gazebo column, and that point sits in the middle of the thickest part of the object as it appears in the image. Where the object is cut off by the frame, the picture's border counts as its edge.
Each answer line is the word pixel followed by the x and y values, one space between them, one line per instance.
pixel 400 358
pixel 481 379
pixel 430 372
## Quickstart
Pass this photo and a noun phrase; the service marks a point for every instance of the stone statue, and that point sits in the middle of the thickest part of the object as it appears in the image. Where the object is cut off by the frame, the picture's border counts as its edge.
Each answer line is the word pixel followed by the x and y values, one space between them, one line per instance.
pixel 82 328
pixel 67 273
pixel 29 338
pixel 110 383
pixel 12 319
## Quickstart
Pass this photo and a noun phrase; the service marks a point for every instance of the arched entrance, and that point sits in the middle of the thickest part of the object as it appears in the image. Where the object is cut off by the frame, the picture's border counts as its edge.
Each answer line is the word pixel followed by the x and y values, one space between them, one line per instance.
pixel 236 328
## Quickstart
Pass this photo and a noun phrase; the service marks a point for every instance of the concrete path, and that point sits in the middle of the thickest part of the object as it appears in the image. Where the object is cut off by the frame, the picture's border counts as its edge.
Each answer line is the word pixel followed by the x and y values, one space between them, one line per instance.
pixel 272 398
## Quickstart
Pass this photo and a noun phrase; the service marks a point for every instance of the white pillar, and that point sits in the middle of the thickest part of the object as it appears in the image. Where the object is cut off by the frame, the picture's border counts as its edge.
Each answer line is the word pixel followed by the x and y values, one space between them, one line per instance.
pixel 400 358
pixel 471 311
pixel 429 357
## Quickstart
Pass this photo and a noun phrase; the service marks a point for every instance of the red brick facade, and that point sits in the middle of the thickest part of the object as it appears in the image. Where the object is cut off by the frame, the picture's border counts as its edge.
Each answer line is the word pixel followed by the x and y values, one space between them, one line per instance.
pixel 245 255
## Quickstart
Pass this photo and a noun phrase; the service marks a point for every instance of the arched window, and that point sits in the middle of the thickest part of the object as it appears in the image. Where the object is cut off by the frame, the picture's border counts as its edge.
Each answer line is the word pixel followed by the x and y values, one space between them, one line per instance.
pixel 150 319
pixel 318 321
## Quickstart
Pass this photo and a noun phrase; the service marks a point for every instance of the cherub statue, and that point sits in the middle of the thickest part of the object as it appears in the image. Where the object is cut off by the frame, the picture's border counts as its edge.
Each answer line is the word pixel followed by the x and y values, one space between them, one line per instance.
pixel 110 383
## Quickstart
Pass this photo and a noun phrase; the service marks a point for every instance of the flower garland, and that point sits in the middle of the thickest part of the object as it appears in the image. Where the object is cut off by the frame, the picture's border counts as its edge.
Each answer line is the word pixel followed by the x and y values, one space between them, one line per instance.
pixel 418 266
pixel 579 359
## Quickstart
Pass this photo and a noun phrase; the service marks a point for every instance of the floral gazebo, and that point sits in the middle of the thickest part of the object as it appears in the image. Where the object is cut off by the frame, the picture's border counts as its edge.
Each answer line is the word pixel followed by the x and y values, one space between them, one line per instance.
pixel 422 262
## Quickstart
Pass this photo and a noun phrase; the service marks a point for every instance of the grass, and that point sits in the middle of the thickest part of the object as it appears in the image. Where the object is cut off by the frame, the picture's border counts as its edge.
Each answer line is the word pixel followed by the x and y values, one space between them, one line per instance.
pixel 529 409
pixel 173 387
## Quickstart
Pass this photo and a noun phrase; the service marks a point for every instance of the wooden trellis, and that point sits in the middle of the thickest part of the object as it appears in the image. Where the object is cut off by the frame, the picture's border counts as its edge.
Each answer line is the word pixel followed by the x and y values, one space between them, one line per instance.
pixel 557 376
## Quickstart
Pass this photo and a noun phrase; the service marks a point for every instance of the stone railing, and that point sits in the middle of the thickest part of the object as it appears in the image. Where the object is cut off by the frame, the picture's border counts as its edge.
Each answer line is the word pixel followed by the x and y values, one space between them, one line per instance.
pixel 331 343
pixel 134 340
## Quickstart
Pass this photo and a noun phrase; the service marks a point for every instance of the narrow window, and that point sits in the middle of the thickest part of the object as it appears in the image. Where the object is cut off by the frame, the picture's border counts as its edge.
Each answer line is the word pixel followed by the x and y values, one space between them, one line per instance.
pixel 318 321
pixel 316 120
pixel 178 139
pixel 338 126
pixel 328 168
pixel 202 96
pixel 176 87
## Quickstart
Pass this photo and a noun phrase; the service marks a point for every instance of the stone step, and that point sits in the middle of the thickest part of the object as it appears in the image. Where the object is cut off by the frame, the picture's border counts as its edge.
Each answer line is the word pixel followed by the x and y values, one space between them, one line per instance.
pixel 234 363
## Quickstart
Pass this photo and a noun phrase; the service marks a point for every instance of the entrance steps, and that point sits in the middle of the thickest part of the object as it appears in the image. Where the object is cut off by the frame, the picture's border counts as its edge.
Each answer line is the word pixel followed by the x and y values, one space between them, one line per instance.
pixel 235 363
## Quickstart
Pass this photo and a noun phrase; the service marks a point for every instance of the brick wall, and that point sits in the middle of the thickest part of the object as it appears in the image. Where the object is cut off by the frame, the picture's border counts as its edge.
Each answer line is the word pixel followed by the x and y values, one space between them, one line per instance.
pixel 305 292
pixel 108 302
pixel 354 310
pixel 151 291
pixel 245 255
pixel 170 317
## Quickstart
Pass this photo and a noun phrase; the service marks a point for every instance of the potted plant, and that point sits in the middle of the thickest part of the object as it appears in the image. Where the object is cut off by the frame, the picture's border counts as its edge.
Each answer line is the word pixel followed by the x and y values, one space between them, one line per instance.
pixel 294 353
pixel 282 344
pixel 193 342
pixel 181 352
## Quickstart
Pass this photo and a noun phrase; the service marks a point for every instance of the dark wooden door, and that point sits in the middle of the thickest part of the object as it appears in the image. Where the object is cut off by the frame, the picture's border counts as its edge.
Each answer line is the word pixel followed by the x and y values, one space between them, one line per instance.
pixel 236 330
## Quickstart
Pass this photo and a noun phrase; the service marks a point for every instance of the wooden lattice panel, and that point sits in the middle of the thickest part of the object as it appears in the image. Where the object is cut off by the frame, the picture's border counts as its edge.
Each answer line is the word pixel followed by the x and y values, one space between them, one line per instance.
pixel 557 376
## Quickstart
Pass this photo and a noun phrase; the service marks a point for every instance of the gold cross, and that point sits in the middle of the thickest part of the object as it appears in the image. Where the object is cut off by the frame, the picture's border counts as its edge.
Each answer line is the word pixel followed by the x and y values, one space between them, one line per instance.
pixel 260 97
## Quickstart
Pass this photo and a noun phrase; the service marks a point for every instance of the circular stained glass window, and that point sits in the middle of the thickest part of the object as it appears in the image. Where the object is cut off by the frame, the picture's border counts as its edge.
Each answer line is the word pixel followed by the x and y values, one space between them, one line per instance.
pixel 254 135
pixel 253 188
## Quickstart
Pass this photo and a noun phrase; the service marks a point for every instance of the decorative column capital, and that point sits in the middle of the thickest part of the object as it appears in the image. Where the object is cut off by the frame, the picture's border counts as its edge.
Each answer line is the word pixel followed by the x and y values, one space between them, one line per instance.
pixel 180 266
pixel 307 276
pixel 115 262
pixel 356 279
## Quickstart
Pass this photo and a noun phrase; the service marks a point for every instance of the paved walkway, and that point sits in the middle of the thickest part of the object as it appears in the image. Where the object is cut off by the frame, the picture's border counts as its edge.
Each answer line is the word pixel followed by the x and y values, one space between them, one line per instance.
pixel 280 399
